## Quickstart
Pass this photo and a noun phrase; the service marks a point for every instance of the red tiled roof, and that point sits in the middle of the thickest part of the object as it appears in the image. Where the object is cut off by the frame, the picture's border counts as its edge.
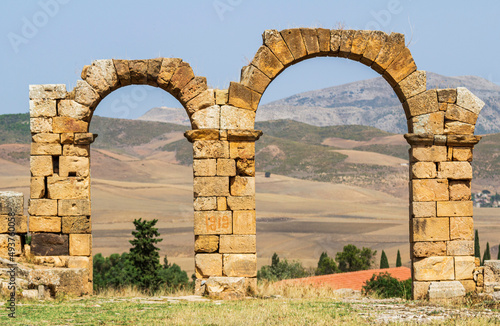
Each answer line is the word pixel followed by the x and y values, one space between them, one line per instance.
pixel 351 280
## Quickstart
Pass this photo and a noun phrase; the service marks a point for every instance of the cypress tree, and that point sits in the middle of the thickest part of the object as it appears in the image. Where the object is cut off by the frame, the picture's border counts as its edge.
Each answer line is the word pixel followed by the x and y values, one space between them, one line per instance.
pixel 477 250
pixel 398 259
pixel 487 255
pixel 384 263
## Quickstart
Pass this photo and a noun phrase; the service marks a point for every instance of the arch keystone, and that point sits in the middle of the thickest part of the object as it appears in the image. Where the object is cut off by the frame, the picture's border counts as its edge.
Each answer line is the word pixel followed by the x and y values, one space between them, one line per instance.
pixel 311 42
pixel 346 38
pixel 153 70
pixel 122 71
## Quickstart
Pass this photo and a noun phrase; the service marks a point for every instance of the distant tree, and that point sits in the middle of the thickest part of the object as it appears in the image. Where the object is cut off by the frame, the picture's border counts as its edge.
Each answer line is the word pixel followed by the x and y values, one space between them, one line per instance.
pixel 352 259
pixel 384 285
pixel 485 191
pixel 326 265
pixel 487 254
pixel 281 270
pixel 384 263
pixel 398 260
pixel 477 249
pixel 172 275
pixel 144 255
pixel 275 260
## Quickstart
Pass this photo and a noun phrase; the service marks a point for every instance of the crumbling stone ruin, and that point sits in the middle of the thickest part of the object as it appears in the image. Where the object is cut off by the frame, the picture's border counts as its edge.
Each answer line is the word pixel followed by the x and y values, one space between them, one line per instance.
pixel 440 131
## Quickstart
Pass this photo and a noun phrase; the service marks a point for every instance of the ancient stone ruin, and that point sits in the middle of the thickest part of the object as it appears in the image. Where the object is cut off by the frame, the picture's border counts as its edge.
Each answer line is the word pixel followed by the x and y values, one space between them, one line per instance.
pixel 440 131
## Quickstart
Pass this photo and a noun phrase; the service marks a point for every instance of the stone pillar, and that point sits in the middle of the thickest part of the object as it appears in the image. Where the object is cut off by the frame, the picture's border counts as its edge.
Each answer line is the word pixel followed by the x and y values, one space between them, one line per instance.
pixel 59 204
pixel 441 218
pixel 224 204
pixel 12 206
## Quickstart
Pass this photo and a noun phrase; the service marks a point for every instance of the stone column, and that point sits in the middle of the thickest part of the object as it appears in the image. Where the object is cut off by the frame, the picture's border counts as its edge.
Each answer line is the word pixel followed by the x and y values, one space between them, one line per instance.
pixel 441 219
pixel 224 206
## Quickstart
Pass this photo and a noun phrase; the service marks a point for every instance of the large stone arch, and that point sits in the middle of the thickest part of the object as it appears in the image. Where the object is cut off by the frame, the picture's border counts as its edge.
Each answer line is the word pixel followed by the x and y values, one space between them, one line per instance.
pixel 440 131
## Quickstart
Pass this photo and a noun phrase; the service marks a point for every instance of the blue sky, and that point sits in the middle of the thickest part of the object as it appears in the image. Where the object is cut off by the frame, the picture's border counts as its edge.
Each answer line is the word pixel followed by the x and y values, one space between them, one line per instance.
pixel 49 41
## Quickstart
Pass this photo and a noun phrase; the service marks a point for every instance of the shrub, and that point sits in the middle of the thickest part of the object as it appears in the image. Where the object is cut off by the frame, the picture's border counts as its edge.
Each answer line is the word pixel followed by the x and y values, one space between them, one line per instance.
pixel 326 265
pixel 281 270
pixel 385 286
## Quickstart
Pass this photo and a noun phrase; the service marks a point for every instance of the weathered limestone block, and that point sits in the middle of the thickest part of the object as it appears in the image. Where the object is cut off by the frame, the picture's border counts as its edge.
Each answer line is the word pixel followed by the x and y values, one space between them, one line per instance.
pixel 226 288
pixel 47 91
pixel 80 244
pixel 359 43
pixel 123 72
pixel 205 167
pixel 429 153
pixel 221 95
pixel 153 70
pixel 428 249
pixel 207 265
pixel 462 154
pixel 464 266
pixel 85 94
pixel 74 166
pixel 68 187
pixel 205 203
pixel 235 118
pixel 78 262
pixel 138 71
pixel 181 77
pixel 420 290
pixel 106 69
pixel 37 187
pixel 254 79
pixel 423 103
pixel 213 222
pixel 41 166
pixel 76 224
pixel 241 203
pixel 335 35
pixel 42 108
pixel 49 244
pixel 243 97
pixel 431 123
pixel 454 208
pixel 45 207
pixel 226 167
pixel 274 41
pixel 45 149
pixel 434 269
pixel 447 95
pixel 168 67
pixel 455 170
pixel 240 265
pixel 242 135
pixel 95 78
pixel 39 125
pixel 76 150
pixel 430 189
pixel 242 150
pixel 11 203
pixel 195 87
pixel 468 101
pixel 72 109
pixel 210 149
pixel 310 38
pixel 4 245
pixel 267 62
pixel 460 248
pixel 66 124
pixel 244 222
pixel 469 285
pixel 84 138
pixel 423 170
pixel 423 209
pixel 400 68
pixel 206 243
pixel 446 290
pixel 51 261
pixel 73 207
pixel 456 113
pixel 45 224
pixel 374 45
pixel 242 186
pixel 21 223
pixel 204 100
pixel 346 38
pixel 46 138
pixel 412 85
pixel 460 190
pixel 238 244
pixel 395 43
pixel 207 118
pixel 222 203
pixel 295 43
pixel 461 228
pixel 203 134
pixel 458 128
pixel 245 167
pixel 430 229
pixel 211 186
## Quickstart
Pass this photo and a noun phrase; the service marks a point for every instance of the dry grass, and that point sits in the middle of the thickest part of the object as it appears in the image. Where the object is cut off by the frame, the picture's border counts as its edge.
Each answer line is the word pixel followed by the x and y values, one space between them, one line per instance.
pixel 266 289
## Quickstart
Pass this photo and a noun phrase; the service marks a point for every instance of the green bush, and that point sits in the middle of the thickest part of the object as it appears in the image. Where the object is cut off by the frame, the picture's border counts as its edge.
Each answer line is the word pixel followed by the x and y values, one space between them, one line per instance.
pixel 282 270
pixel 385 286
pixel 326 265
pixel 353 259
